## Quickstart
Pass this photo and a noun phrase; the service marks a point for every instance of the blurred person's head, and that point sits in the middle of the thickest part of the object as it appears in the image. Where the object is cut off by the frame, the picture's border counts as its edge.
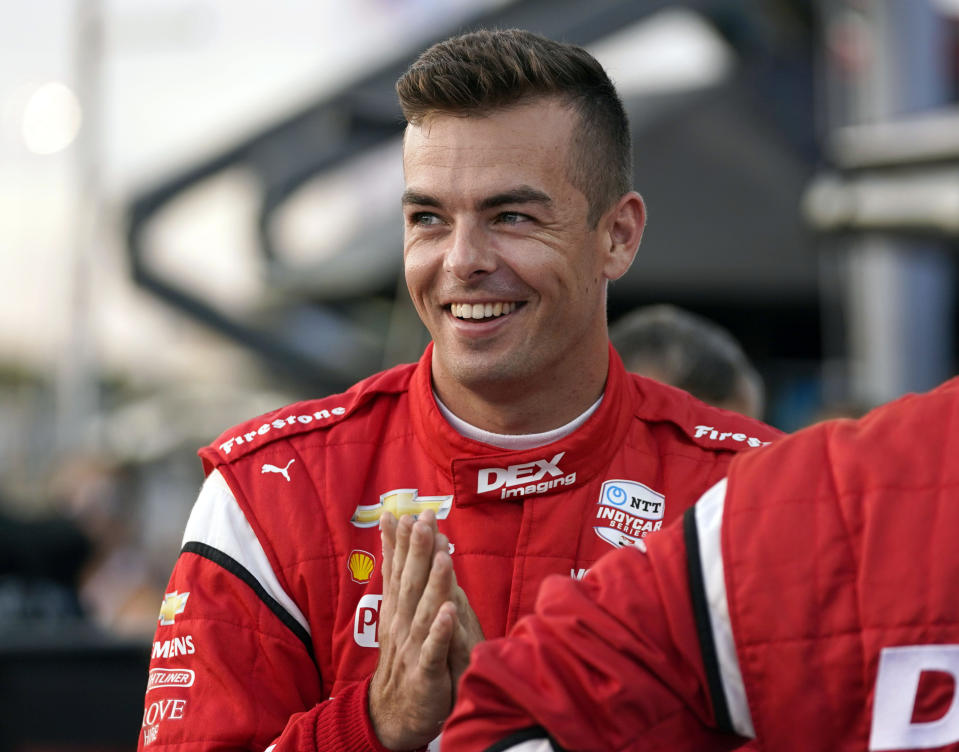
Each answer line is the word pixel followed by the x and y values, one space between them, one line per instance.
pixel 517 214
pixel 677 347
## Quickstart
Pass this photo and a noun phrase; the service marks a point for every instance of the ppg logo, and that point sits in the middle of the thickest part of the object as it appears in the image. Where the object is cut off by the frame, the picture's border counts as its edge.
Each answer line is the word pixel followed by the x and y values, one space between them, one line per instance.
pixel 366 622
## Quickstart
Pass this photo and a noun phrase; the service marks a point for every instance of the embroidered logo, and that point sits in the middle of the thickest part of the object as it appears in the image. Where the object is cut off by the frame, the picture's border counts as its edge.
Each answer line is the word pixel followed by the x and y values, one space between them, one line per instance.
pixel 173 604
pixel 280 424
pixel 284 471
pixel 525 479
pixel 400 501
pixel 366 621
pixel 709 432
pixel 360 564
pixel 627 512
pixel 166 677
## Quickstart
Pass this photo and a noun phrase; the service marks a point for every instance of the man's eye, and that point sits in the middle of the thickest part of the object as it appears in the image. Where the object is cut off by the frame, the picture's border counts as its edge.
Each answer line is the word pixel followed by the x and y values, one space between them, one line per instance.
pixel 424 219
pixel 510 218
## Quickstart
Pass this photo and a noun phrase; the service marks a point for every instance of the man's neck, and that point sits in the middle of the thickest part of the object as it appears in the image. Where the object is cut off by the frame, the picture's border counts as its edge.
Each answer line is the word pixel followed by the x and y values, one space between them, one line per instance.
pixel 520 408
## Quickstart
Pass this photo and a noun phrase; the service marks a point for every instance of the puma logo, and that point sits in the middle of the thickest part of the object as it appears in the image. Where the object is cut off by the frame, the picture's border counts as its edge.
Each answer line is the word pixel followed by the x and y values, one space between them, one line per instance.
pixel 284 471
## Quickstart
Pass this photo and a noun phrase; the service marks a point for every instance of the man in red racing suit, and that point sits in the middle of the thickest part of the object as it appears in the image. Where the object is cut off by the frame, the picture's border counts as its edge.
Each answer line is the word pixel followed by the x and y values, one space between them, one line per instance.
pixel 518 441
pixel 268 633
pixel 808 601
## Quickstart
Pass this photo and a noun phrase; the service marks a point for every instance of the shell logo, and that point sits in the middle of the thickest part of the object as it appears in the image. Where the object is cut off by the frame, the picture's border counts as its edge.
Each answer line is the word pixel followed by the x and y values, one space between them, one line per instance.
pixel 361 564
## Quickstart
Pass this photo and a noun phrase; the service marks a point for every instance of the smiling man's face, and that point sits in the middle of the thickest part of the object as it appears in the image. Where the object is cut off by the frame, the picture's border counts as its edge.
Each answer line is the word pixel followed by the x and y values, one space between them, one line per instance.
pixel 500 260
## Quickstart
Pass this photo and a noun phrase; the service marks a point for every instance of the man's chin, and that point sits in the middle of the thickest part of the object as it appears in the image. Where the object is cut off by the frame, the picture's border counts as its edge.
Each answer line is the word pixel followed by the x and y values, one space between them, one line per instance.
pixel 477 368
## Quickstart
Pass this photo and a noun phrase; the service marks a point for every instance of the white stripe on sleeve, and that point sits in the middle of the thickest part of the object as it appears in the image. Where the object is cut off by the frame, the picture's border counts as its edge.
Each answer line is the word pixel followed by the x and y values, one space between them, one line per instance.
pixel 218 521
pixel 709 518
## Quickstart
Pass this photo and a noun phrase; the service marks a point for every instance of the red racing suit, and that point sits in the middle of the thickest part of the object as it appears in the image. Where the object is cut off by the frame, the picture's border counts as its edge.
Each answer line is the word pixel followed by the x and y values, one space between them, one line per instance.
pixel 268 632
pixel 808 601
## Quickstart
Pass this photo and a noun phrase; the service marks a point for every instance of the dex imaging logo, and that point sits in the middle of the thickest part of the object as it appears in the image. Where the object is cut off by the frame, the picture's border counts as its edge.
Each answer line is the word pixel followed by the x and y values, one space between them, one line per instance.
pixel 524 479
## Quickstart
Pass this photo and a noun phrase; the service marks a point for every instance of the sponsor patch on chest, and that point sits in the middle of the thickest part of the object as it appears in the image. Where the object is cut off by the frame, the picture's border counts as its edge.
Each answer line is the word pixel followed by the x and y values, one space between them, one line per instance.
pixel 627 511
pixel 525 479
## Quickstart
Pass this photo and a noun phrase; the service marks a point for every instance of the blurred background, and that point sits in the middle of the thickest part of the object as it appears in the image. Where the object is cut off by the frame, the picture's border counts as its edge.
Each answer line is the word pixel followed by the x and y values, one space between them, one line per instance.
pixel 199 222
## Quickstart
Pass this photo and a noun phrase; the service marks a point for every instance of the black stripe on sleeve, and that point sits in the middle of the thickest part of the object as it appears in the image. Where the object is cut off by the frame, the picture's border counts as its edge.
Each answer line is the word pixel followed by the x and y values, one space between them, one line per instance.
pixel 704 626
pixel 234 567
pixel 533 733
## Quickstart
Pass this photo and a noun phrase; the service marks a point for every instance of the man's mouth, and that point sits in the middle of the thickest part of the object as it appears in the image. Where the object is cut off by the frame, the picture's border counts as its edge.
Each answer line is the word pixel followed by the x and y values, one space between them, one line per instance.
pixel 482 310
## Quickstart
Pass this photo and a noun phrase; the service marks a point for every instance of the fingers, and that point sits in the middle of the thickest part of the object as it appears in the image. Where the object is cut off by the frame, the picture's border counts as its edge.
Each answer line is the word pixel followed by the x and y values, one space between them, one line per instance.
pixel 442 544
pixel 416 569
pixel 411 692
pixel 412 591
pixel 435 594
pixel 394 551
pixel 387 544
pixel 433 660
pixel 410 699
pixel 429 517
pixel 404 528
pixel 467 634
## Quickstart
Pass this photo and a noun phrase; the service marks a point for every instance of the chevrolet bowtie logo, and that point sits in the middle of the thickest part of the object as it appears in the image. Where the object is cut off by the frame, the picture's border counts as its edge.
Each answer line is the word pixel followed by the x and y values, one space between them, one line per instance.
pixel 173 604
pixel 400 501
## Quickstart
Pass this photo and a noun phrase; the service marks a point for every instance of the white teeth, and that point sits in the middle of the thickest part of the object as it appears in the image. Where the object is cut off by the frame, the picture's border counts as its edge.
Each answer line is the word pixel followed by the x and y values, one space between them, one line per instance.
pixel 481 310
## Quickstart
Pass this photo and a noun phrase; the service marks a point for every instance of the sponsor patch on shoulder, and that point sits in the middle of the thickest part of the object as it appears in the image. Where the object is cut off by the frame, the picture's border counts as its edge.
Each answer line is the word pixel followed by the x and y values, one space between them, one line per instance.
pixel 732 437
pixel 170 677
pixel 628 511
pixel 285 423
pixel 173 604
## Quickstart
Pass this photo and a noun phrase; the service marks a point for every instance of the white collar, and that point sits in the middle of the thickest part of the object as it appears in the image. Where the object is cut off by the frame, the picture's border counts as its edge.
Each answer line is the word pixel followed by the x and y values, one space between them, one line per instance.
pixel 514 442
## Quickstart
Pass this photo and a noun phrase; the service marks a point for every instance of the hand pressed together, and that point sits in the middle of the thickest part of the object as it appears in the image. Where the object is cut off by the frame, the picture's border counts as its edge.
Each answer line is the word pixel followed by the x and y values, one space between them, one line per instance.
pixel 427 630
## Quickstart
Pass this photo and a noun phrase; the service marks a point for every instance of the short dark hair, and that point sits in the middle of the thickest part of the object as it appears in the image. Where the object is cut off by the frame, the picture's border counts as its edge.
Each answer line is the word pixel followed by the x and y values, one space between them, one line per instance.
pixel 485 70
pixel 693 353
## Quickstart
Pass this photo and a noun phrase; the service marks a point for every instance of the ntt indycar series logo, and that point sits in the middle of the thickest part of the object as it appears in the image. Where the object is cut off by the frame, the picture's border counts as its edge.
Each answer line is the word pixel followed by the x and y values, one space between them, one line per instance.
pixel 525 479
pixel 628 511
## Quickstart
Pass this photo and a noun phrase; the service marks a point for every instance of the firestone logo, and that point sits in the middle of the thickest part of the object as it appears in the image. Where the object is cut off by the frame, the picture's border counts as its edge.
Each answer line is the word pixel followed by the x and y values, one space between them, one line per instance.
pixel 524 479
pixel 278 425
pixel 714 435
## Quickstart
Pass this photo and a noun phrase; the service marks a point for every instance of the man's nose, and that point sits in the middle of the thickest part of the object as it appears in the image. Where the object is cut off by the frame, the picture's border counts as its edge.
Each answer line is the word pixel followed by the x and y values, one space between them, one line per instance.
pixel 470 254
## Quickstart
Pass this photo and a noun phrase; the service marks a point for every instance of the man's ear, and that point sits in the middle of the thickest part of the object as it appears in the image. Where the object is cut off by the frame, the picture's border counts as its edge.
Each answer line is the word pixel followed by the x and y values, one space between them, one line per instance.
pixel 623 226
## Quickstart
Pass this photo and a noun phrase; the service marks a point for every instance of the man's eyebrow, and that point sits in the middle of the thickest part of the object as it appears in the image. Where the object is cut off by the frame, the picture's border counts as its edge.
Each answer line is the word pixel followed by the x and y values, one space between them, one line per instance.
pixel 522 195
pixel 413 197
